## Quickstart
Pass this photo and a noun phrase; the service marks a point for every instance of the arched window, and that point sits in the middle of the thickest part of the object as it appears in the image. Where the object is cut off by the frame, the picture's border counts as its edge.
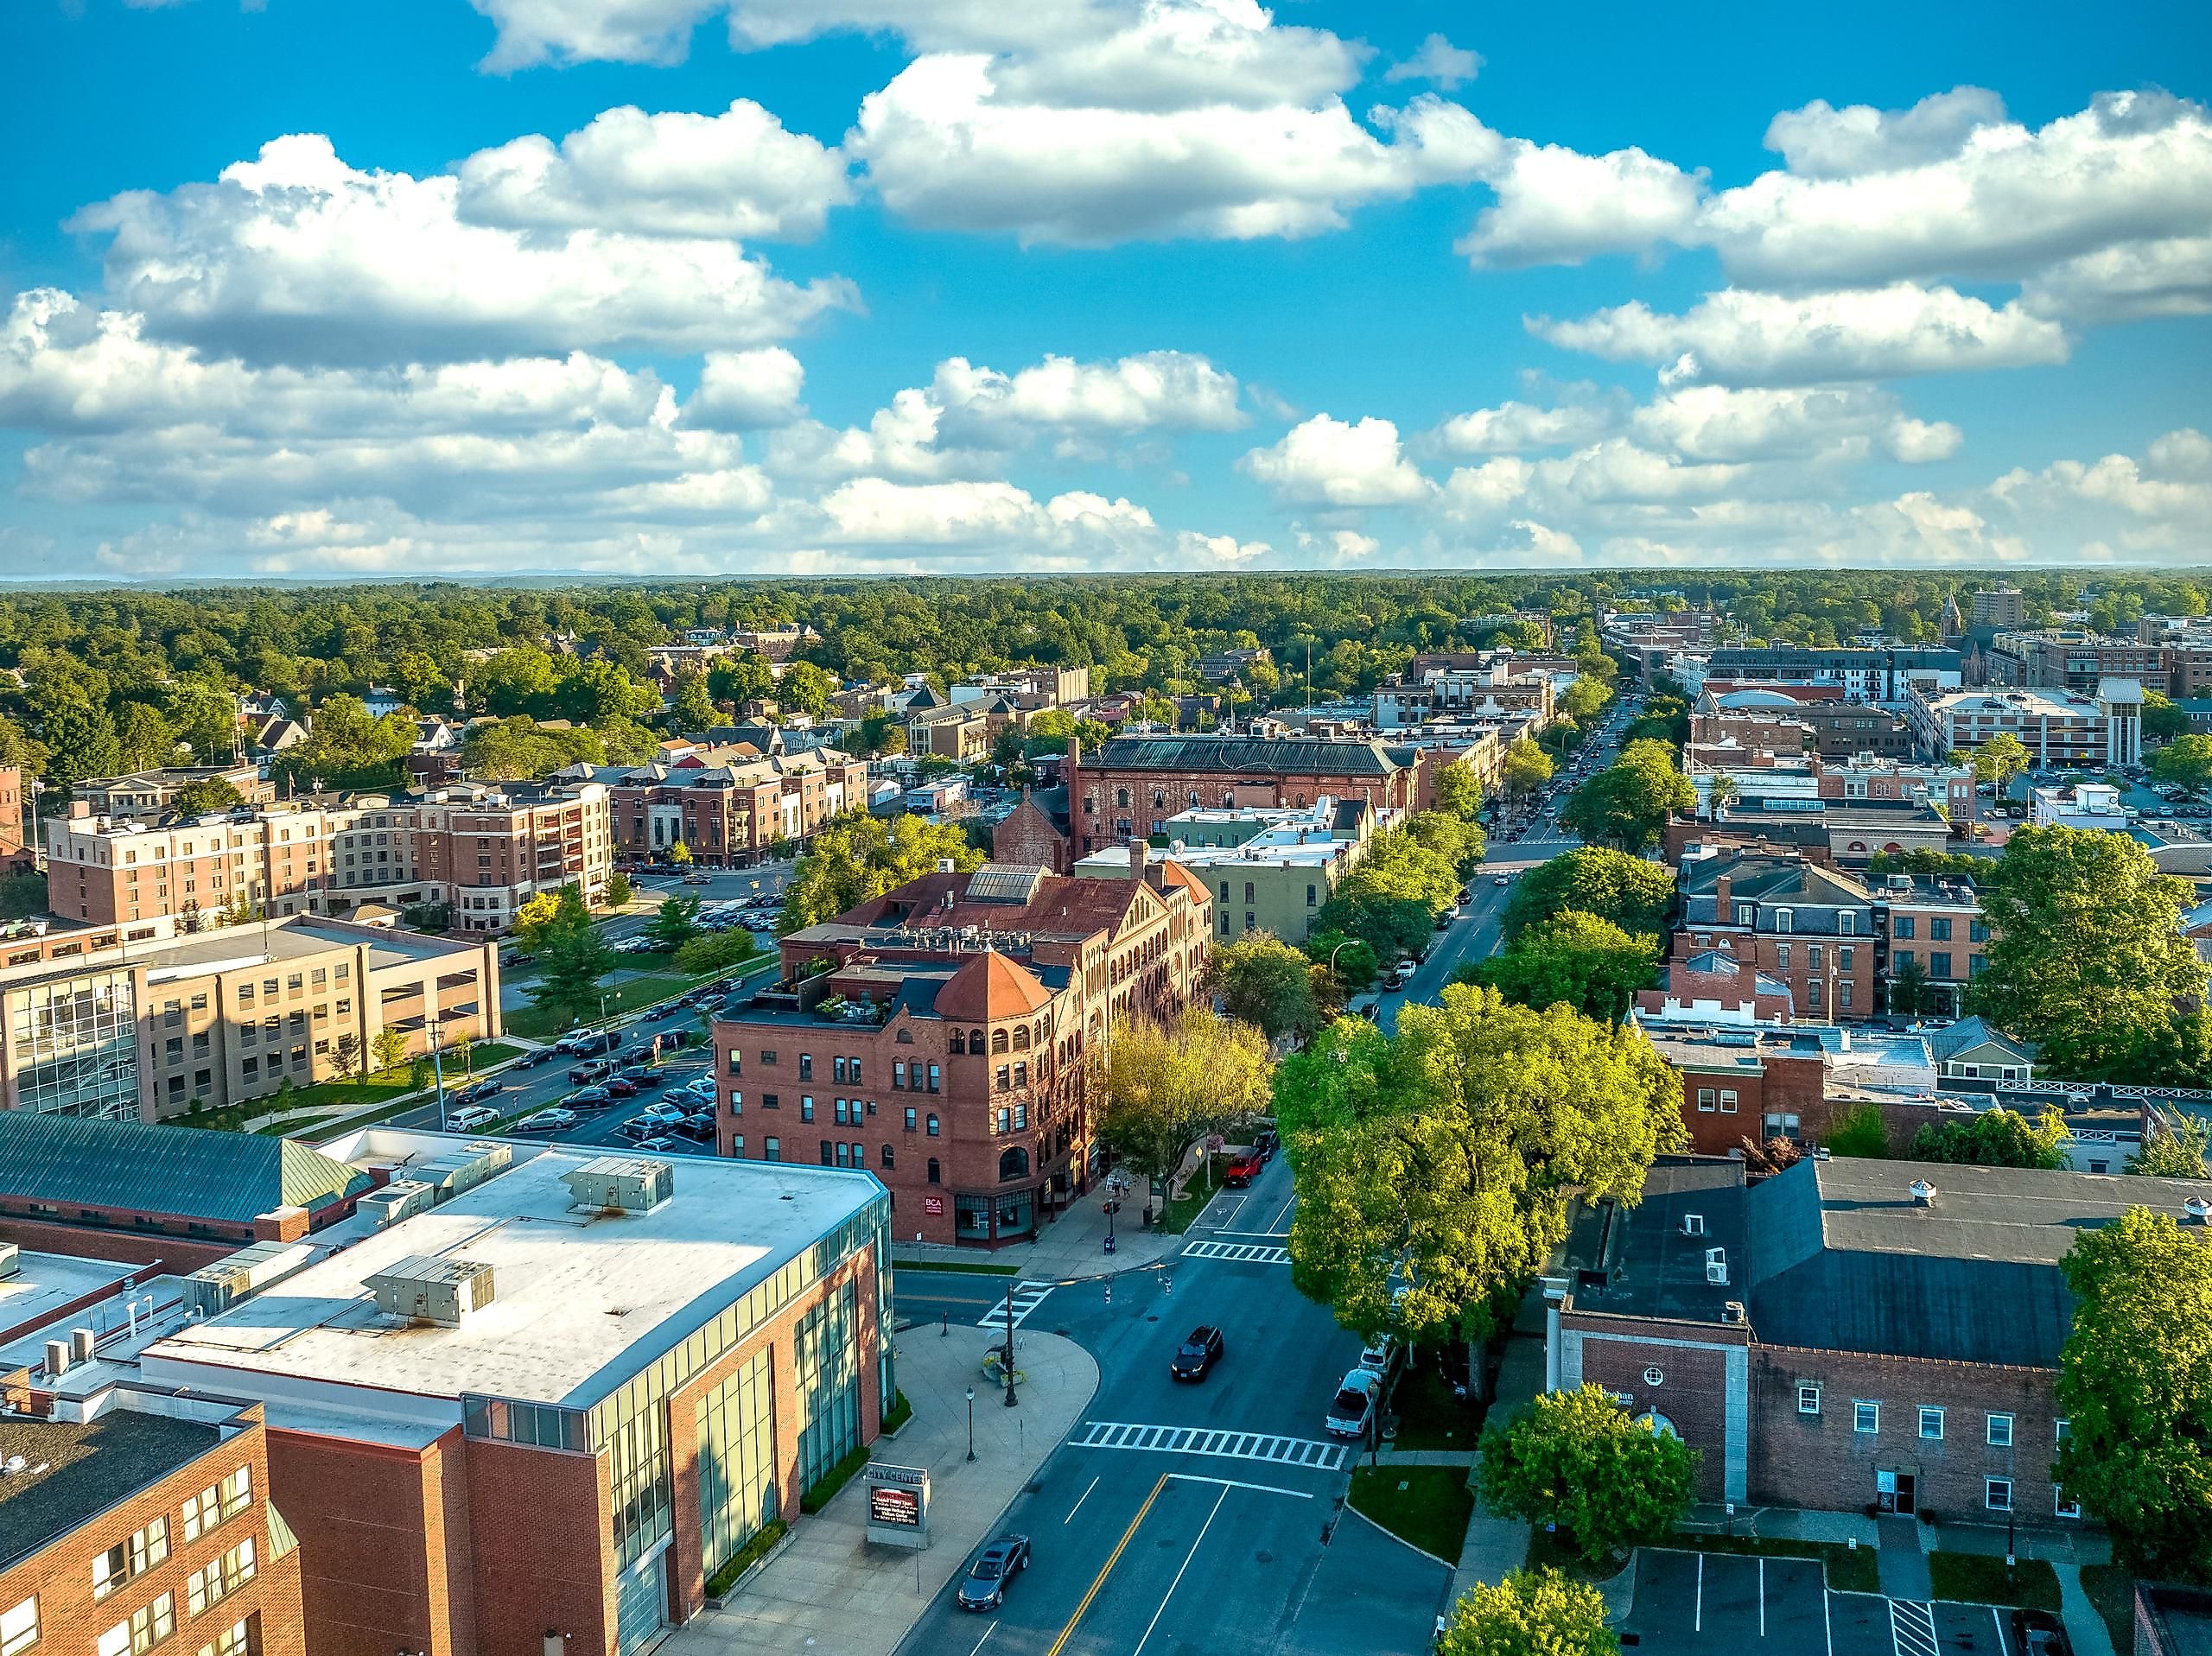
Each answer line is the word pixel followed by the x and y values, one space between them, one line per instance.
pixel 1021 1039
pixel 934 1178
pixel 975 1042
pixel 998 1040
pixel 905 1037
pixel 886 1159
pixel 1120 796
pixel 1013 1163
pixel 959 1044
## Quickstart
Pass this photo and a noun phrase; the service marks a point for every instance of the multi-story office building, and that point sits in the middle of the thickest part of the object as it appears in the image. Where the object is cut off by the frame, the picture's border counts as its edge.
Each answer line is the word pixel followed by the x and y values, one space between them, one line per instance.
pixel 134 1517
pixel 2056 728
pixel 2066 658
pixel 551 1407
pixel 728 810
pixel 140 1031
pixel 1882 673
pixel 485 851
pixel 943 1035
pixel 2005 606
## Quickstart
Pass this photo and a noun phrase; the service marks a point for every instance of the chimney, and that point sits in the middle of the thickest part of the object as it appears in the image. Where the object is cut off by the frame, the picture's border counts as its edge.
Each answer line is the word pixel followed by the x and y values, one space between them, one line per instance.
pixel 1923 1193
pixel 1722 910
pixel 1075 759
pixel 57 1359
pixel 81 1345
pixel 1138 849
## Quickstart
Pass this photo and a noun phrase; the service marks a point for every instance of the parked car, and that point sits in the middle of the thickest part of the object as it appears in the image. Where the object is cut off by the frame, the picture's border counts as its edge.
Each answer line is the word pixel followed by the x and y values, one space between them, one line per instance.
pixel 554 1120
pixel 590 1098
pixel 2038 1633
pixel 592 1069
pixel 620 1087
pixel 658 1143
pixel 468 1119
pixel 642 1075
pixel 984 1586
pixel 519 958
pixel 1242 1172
pixel 699 1129
pixel 1350 1412
pixel 1403 973
pixel 479 1091
pixel 1195 1358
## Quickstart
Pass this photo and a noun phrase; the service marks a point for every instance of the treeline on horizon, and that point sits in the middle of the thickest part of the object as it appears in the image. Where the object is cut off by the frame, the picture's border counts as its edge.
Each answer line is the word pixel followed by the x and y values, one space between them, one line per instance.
pixel 118 677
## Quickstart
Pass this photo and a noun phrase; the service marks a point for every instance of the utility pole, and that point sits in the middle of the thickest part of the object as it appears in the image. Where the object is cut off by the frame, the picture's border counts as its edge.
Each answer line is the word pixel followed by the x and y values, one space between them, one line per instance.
pixel 1010 1399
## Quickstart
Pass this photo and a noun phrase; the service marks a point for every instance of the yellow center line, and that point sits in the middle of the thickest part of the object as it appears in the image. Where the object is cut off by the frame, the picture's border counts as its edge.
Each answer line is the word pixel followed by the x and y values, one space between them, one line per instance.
pixel 1107 1569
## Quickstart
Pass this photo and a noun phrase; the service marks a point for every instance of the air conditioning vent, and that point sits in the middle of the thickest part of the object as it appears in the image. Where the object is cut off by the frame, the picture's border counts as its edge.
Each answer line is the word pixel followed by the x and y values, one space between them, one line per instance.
pixel 396 1201
pixel 621 1183
pixel 1716 1266
pixel 427 1290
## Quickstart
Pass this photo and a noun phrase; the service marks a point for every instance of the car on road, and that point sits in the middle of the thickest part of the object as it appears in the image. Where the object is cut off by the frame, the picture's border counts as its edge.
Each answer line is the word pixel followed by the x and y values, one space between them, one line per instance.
pixel 1350 1412
pixel 538 1055
pixel 1242 1172
pixel 479 1091
pixel 983 1587
pixel 469 1119
pixel 554 1120
pixel 1195 1358
pixel 1403 973
pixel 1503 879
pixel 590 1098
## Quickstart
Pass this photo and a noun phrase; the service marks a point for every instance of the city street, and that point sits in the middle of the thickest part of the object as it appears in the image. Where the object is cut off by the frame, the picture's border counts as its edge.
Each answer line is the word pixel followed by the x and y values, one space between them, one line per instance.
pixel 1225 1538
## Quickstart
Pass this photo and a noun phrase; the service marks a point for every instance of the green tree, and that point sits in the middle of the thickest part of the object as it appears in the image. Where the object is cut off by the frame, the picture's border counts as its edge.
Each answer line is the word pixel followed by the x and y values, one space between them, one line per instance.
pixel 742 677
pixel 1589 964
pixel 1351 960
pixel 21 895
pixel 1458 791
pixel 572 956
pixel 2162 720
pixel 1585 700
pixel 2176 1151
pixel 1998 1138
pixel 675 923
pixel 2135 1383
pixel 880 733
pixel 1628 804
pixel 806 687
pixel 1527 767
pixel 388 1051
pixel 80 745
pixel 205 718
pixel 1456 840
pixel 1264 982
pixel 1909 989
pixel 620 893
pixel 680 854
pixel 1723 791
pixel 716 952
pixel 207 795
pixel 144 739
pixel 536 914
pixel 857 856
pixel 690 706
pixel 1433 1167
pixel 2000 758
pixel 2185 762
pixel 1859 1131
pixel 1160 1086
pixel 1530 1612
pixel 1576 1460
pixel 1635 895
pixel 2086 956
pixel 345 1051
pixel 1388 926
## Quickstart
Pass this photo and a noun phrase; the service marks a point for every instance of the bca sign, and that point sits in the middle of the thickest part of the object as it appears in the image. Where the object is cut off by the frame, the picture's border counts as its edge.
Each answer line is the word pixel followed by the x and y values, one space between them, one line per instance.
pixel 933 1206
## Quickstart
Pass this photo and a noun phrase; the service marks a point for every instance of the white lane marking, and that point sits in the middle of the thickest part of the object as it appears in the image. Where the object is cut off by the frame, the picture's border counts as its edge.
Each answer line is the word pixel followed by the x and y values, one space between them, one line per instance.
pixel 1912 1629
pixel 1827 1616
pixel 1270 1236
pixel 1698 1626
pixel 1240 1253
pixel 1079 1500
pixel 1228 1206
pixel 1177 1582
pixel 1997 1621
pixel 986 1639
pixel 1275 1224
pixel 1308 1454
pixel 1028 1296
pixel 1262 1488
pixel 1762 1598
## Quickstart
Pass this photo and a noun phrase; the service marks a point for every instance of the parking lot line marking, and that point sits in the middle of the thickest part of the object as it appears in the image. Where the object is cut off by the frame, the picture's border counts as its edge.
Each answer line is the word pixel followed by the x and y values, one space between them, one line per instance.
pixel 1828 1615
pixel 1698 1626
pixel 1104 1571
pixel 1276 1222
pixel 1998 1622
pixel 1080 1499
pixel 1232 1483
pixel 1177 1582
pixel 1762 1598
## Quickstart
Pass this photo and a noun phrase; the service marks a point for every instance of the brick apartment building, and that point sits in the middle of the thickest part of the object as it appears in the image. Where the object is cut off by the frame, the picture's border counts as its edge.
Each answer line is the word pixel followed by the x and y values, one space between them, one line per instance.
pixel 1130 787
pixel 1839 729
pixel 485 850
pixel 550 1408
pixel 728 808
pixel 15 852
pixel 946 1045
pixel 139 1031
pixel 1807 928
pixel 1846 1335
pixel 148 793
pixel 2068 658
pixel 132 1517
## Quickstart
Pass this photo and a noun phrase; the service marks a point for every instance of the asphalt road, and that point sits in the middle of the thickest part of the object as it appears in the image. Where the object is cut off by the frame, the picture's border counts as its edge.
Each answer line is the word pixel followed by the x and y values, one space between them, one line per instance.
pixel 1173 1551
pixel 961 1296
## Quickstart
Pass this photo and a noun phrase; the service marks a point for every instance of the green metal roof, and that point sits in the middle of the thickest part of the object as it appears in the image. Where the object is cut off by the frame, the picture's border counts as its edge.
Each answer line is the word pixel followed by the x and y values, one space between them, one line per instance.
pixel 189 1172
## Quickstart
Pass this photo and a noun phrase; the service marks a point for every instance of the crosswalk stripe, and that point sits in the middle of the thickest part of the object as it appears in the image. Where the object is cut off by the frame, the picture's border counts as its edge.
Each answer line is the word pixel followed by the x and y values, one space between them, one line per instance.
pixel 1912 1629
pixel 1311 1453
pixel 1028 1296
pixel 1242 1253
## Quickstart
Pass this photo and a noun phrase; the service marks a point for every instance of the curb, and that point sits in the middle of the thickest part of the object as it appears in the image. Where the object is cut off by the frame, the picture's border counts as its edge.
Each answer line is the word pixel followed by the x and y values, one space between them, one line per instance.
pixel 1450 1569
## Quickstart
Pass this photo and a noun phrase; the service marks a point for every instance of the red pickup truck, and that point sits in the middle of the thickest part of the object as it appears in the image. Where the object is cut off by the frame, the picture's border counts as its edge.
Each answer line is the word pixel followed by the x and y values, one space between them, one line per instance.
pixel 1243 1169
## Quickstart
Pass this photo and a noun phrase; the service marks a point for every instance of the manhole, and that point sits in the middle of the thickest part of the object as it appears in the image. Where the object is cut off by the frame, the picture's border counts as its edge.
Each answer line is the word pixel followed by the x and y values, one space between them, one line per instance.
pixel 1152 1319
pixel 1032 1487
pixel 1170 1541
pixel 1263 1557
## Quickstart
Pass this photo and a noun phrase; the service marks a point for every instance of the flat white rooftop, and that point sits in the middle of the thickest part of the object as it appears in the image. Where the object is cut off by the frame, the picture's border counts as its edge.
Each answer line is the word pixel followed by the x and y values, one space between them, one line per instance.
pixel 583 1302
pixel 44 1283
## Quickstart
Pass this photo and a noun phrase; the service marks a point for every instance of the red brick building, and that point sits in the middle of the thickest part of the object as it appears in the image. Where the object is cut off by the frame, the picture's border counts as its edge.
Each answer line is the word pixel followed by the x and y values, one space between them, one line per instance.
pixel 726 808
pixel 1807 927
pixel 133 1516
pixel 1847 1334
pixel 1134 784
pixel 1035 833
pixel 942 1037
pixel 556 1404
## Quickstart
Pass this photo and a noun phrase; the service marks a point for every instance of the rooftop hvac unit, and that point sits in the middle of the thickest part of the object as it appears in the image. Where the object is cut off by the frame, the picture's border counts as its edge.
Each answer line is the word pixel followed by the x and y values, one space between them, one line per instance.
pixel 11 1262
pixel 399 1200
pixel 213 1289
pixel 621 1183
pixel 428 1289
pixel 1716 1266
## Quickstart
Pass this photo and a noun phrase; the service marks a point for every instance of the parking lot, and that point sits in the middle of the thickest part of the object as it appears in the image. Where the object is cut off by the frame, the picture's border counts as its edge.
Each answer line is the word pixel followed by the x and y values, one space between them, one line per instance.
pixel 1691 1603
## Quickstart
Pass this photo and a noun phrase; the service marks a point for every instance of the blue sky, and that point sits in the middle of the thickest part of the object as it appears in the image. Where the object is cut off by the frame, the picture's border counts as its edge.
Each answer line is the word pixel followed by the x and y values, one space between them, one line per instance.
pixel 522 285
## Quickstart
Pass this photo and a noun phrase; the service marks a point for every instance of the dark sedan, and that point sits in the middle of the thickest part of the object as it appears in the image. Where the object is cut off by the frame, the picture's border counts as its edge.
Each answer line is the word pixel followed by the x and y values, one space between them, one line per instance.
pixel 983 1587
pixel 1195 1358
pixel 590 1098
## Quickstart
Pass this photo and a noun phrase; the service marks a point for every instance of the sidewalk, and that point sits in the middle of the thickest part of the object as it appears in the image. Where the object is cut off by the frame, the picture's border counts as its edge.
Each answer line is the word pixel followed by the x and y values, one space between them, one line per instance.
pixel 1073 1248
pixel 1497 1546
pixel 826 1591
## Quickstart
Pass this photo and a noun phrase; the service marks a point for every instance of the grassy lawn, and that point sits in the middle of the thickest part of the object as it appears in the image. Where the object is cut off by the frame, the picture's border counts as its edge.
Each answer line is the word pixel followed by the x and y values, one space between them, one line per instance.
pixel 1176 1217
pixel 1429 1416
pixel 1849 1569
pixel 1429 1506
pixel 2112 1589
pixel 624 994
pixel 1978 1578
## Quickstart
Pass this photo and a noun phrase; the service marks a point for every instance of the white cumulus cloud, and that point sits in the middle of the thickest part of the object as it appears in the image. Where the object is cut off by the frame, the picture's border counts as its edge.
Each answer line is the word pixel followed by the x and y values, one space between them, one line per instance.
pixel 1440 63
pixel 1327 461
pixel 744 390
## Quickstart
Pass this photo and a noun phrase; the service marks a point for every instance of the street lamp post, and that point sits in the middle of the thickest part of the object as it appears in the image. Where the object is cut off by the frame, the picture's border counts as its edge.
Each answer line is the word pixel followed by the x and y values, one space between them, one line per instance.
pixel 1010 1399
pixel 971 1422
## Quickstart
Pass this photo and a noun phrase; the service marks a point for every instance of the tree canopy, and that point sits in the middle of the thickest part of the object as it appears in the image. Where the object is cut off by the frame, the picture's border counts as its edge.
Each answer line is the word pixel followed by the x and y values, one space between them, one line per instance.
pixel 1576 1459
pixel 1264 982
pixel 1627 803
pixel 2176 1151
pixel 857 856
pixel 1573 958
pixel 2086 957
pixel 1998 1138
pixel 2135 1383
pixel 1160 1086
pixel 2186 762
pixel 1527 767
pixel 1633 894
pixel 1530 1612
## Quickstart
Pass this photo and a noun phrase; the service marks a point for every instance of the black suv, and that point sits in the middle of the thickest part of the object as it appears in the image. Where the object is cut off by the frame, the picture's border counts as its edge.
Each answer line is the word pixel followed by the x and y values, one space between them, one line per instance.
pixel 1195 1358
